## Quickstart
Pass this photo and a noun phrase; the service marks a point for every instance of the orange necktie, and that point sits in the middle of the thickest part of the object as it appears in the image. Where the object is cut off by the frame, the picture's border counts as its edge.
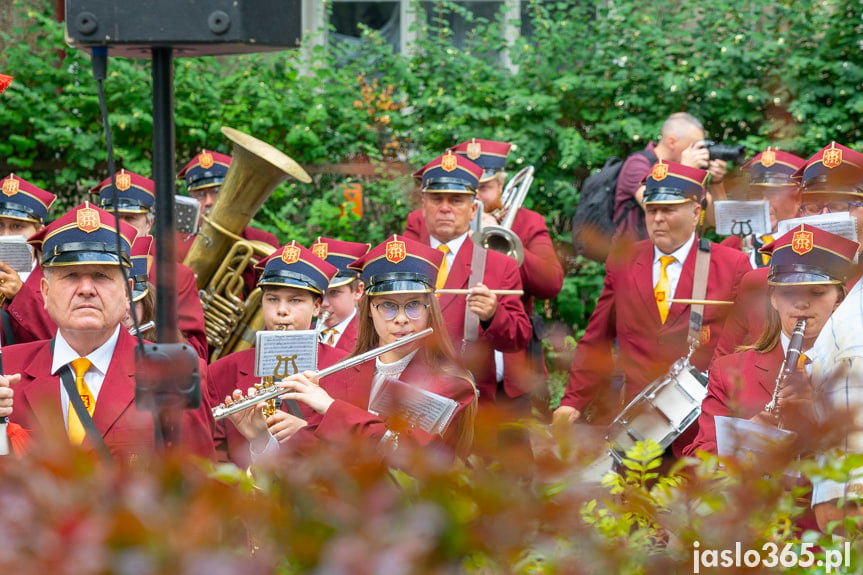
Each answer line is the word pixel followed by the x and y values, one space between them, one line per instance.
pixel 444 268
pixel 330 336
pixel 76 429
pixel 662 287
pixel 767 239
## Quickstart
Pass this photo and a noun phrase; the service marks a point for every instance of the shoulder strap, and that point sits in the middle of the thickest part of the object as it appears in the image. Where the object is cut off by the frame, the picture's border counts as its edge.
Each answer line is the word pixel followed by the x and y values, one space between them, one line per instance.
pixel 90 429
pixel 477 272
pixel 699 291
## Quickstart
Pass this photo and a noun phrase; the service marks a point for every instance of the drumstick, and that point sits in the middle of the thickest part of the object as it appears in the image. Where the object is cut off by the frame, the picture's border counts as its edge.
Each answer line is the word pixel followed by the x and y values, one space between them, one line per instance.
pixel 453 291
pixel 701 301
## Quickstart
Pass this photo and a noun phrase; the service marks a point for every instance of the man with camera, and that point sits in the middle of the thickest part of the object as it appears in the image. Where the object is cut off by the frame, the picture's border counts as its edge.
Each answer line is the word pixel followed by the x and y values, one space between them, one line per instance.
pixel 682 141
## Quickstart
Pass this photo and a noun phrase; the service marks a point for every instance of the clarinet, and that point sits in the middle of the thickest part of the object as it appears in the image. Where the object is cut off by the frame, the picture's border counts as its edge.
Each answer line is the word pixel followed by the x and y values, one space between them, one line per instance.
pixel 789 366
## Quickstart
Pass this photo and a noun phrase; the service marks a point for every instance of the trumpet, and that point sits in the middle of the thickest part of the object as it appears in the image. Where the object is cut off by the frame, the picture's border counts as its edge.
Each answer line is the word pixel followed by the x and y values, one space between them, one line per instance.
pixel 271 392
pixel 501 238
pixel 789 366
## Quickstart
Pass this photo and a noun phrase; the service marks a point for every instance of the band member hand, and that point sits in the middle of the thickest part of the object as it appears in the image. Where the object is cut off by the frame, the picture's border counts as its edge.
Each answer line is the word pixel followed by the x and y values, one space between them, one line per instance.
pixel 564 415
pixel 489 220
pixel 10 282
pixel 482 302
pixel 717 169
pixel 283 425
pixel 304 387
pixel 250 422
pixel 6 393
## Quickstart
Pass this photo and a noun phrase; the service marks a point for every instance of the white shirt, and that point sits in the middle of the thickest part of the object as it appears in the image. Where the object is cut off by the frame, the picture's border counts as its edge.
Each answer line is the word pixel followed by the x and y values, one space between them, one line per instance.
pixel 341 327
pixel 100 359
pixel 837 387
pixel 454 246
pixel 675 268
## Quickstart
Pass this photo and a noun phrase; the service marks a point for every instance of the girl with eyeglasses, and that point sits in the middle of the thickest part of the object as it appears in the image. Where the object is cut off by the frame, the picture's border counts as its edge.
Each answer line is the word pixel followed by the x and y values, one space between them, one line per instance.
pixel 399 275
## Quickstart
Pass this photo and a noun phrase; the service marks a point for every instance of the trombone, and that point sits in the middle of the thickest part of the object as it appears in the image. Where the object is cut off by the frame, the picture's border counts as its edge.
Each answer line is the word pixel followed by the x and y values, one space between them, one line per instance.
pixel 501 238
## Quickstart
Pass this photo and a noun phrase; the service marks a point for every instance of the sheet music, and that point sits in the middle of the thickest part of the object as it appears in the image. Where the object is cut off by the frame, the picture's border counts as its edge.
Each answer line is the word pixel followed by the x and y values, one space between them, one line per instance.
pixel 745 439
pixel 735 218
pixel 16 253
pixel 839 223
pixel 426 410
pixel 283 353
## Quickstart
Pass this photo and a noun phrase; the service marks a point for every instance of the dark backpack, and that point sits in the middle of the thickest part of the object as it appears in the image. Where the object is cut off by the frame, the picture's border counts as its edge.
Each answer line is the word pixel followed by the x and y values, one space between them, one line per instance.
pixel 593 224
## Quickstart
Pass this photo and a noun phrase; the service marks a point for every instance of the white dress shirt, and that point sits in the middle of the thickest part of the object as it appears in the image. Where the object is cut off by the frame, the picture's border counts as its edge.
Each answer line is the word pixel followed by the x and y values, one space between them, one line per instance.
pixel 454 246
pixel 341 327
pixel 100 359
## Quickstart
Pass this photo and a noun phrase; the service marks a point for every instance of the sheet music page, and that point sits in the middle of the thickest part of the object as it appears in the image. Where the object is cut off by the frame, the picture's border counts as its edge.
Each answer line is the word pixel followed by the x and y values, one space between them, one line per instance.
pixel 746 439
pixel 283 353
pixel 839 223
pixel 16 253
pixel 426 410
pixel 734 217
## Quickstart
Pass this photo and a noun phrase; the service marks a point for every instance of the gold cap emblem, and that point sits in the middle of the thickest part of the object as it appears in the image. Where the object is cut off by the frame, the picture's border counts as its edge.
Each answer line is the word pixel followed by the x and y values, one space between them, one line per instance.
pixel 124 181
pixel 10 186
pixel 832 158
pixel 291 254
pixel 768 158
pixel 802 242
pixel 205 159
pixel 449 162
pixel 320 250
pixel 87 219
pixel 396 251
pixel 474 150
pixel 659 171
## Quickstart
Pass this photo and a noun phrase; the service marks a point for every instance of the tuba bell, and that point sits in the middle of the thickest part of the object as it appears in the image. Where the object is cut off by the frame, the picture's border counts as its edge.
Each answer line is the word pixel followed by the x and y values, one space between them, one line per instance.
pixel 501 238
pixel 219 255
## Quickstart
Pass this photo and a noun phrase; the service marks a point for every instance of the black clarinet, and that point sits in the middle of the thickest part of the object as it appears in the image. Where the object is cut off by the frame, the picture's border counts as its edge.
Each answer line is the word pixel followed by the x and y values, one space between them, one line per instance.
pixel 789 365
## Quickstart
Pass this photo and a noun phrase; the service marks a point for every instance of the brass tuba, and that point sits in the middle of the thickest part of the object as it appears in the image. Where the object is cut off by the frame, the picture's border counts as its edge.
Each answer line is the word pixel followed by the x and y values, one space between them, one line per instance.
pixel 219 255
pixel 501 238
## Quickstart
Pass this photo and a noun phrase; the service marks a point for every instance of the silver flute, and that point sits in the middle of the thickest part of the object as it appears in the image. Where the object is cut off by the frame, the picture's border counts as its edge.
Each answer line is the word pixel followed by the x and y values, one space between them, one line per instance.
pixel 789 365
pixel 273 391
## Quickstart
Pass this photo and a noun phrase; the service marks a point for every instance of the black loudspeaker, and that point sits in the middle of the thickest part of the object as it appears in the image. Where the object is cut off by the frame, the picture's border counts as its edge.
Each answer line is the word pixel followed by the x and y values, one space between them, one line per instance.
pixel 131 28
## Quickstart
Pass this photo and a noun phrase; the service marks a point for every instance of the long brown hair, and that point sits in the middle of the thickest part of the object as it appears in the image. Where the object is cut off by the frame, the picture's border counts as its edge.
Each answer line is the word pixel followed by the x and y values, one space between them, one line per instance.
pixel 769 338
pixel 438 353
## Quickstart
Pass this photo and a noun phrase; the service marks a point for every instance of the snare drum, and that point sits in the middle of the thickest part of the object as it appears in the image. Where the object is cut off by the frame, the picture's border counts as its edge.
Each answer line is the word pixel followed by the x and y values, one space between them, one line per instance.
pixel 662 411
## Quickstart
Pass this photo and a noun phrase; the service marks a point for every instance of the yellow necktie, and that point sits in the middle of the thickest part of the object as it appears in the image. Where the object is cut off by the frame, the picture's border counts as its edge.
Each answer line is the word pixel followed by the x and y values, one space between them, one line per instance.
pixel 76 429
pixel 330 336
pixel 766 239
pixel 801 361
pixel 662 287
pixel 444 268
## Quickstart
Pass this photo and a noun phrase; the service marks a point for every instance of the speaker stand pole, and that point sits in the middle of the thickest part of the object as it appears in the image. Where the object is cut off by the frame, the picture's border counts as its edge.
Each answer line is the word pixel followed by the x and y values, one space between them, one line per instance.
pixel 167 415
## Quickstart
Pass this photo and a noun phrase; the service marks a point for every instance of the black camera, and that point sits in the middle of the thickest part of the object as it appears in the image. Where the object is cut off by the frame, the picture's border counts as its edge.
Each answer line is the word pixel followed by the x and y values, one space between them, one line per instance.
pixel 725 152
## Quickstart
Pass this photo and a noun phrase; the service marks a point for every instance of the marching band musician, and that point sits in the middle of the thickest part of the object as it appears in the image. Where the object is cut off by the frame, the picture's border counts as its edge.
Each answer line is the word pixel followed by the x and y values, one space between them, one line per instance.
pixel 204 176
pixel 23 211
pixel 807 274
pixel 449 184
pixel 85 295
pixel 293 281
pixel 340 326
pixel 399 278
pixel 830 181
pixel 521 373
pixel 634 308
pixel 136 199
pixel 143 296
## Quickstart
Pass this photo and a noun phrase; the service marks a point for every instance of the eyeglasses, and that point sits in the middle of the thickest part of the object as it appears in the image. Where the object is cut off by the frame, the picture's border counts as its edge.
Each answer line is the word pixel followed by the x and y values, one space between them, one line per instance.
pixel 812 209
pixel 200 194
pixel 413 309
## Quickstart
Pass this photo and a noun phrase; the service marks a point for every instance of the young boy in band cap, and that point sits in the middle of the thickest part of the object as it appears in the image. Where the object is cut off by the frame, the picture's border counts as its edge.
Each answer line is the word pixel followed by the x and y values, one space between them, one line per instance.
pixel 294 282
pixel 634 308
pixel 339 308
pixel 23 212
pixel 85 295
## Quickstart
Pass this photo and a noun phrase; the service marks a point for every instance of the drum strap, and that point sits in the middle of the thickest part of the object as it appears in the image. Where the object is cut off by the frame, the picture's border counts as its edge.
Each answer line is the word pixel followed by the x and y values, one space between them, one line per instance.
pixel 477 273
pixel 699 291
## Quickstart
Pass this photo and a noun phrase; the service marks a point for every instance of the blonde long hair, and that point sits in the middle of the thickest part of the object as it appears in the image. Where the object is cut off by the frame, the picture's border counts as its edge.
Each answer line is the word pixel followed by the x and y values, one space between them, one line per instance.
pixel 438 353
